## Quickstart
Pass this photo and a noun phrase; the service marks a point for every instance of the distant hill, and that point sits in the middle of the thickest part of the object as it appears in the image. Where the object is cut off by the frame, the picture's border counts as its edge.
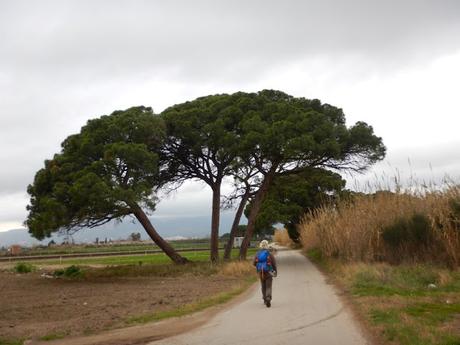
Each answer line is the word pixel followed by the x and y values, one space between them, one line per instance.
pixel 168 227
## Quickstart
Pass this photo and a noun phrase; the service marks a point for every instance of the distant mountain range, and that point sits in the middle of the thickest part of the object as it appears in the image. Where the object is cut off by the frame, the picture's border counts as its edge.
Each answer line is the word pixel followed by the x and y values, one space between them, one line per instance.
pixel 168 227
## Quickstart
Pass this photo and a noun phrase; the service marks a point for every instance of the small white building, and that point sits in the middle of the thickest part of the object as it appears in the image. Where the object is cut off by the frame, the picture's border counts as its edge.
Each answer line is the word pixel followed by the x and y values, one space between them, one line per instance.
pixel 237 241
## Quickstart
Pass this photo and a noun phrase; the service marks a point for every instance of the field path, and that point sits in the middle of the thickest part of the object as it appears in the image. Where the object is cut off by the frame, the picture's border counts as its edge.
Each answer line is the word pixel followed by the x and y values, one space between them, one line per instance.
pixel 305 310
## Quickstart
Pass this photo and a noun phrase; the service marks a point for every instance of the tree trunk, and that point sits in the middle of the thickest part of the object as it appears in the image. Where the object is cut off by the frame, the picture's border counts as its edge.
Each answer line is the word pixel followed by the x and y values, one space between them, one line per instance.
pixel 256 205
pixel 215 222
pixel 155 236
pixel 236 222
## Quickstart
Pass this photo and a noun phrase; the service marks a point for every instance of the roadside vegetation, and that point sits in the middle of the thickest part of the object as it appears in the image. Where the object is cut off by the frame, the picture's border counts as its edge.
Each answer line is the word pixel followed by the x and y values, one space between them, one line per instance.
pixel 234 269
pixel 6 341
pixel 407 304
pixel 167 269
pixel 395 227
pixel 22 267
pixel 397 255
pixel 281 237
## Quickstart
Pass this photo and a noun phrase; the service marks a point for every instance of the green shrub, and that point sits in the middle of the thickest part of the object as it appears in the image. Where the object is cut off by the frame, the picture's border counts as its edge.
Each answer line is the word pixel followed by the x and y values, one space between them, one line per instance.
pixel 22 267
pixel 53 336
pixel 416 230
pixel 420 228
pixel 69 272
pixel 396 234
pixel 455 213
pixel 455 207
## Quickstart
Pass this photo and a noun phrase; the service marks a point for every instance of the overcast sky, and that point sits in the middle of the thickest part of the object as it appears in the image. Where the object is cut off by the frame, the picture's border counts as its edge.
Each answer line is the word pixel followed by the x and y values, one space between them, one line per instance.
pixel 392 64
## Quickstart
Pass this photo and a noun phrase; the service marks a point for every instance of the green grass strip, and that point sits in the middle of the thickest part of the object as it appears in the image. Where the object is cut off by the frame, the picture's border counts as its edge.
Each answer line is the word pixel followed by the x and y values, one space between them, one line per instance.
pixel 132 259
pixel 11 341
pixel 53 336
pixel 434 313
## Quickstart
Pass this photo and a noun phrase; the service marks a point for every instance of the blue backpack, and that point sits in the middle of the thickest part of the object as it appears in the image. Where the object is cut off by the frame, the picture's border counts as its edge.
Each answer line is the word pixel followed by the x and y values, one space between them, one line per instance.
pixel 263 261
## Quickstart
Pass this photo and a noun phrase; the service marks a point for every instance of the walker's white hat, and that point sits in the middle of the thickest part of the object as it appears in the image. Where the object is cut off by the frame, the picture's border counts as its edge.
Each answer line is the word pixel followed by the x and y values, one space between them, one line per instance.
pixel 263 244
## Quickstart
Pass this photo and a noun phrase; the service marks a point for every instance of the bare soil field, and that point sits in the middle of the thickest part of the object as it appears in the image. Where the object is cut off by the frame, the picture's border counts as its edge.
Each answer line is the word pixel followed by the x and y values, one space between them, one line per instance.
pixel 34 307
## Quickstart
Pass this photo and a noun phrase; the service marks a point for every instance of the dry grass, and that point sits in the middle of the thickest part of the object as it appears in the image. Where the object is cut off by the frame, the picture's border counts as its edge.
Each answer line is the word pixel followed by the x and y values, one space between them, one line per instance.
pixel 411 226
pixel 281 237
pixel 237 268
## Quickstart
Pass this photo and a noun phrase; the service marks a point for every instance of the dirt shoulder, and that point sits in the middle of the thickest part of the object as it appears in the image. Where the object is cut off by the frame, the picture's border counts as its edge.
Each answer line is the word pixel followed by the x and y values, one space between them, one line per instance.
pixel 34 307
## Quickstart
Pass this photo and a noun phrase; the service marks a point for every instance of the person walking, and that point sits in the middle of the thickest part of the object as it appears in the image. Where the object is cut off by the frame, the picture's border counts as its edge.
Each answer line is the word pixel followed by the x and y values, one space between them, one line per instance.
pixel 265 263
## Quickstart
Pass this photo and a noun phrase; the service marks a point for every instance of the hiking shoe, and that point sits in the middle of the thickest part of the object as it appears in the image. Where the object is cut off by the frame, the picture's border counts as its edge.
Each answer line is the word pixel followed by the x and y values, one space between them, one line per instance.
pixel 268 304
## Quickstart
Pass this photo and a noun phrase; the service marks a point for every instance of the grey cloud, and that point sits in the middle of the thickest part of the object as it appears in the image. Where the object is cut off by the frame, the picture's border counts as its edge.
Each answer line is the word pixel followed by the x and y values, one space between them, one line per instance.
pixel 19 162
pixel 84 40
pixel 13 208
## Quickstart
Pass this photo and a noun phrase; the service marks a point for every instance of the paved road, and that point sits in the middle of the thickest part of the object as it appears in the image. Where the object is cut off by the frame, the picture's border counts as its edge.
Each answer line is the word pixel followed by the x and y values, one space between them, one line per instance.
pixel 305 310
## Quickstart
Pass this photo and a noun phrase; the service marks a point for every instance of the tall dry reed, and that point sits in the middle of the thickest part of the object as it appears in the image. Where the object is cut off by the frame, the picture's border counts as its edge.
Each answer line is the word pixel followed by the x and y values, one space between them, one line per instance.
pixel 389 226
pixel 282 238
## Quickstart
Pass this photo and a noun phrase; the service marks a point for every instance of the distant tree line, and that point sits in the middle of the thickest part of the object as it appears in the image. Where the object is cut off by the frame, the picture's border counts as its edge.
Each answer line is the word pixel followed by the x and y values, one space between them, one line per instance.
pixel 281 153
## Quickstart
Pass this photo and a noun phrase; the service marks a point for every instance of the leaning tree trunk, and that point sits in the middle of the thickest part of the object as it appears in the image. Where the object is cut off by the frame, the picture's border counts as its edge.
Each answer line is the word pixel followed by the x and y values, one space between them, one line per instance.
pixel 255 208
pixel 155 236
pixel 236 222
pixel 215 223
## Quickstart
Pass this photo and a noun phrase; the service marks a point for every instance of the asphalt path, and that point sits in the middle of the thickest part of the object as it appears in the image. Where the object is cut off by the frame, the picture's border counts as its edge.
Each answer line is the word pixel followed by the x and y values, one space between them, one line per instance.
pixel 305 310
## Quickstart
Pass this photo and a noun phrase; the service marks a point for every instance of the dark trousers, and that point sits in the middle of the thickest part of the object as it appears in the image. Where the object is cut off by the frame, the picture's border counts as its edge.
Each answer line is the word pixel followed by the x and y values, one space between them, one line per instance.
pixel 266 282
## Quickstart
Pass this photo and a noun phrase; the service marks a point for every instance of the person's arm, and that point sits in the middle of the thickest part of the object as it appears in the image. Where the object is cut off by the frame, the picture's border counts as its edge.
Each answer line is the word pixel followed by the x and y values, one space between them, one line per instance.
pixel 254 261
